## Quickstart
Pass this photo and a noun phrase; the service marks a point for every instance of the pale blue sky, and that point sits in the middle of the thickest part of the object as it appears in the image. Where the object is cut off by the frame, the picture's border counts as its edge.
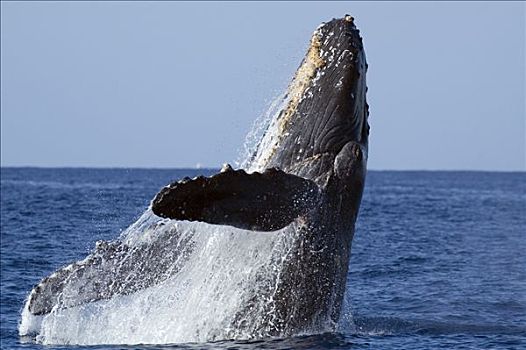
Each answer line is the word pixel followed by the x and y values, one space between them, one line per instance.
pixel 171 84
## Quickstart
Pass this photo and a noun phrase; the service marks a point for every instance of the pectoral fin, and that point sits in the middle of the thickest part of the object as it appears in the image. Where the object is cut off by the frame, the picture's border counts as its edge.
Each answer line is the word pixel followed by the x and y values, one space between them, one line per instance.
pixel 264 201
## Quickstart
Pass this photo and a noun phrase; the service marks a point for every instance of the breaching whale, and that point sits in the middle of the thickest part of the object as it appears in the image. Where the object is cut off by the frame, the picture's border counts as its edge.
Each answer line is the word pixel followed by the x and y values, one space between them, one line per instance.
pixel 310 169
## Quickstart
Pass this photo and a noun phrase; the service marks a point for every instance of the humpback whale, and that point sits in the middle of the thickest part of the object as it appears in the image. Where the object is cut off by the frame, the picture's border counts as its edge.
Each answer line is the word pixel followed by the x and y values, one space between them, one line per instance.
pixel 303 183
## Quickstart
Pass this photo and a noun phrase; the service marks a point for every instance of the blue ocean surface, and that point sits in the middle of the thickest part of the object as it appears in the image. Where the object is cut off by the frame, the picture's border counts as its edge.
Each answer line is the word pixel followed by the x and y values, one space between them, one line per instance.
pixel 438 259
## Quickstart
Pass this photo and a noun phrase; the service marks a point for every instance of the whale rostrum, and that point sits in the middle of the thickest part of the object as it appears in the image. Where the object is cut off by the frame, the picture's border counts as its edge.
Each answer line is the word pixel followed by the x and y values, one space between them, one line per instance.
pixel 305 178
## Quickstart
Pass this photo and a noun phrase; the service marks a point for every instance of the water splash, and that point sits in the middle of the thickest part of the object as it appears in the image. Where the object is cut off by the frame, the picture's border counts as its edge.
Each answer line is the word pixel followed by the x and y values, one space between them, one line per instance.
pixel 262 136
pixel 223 270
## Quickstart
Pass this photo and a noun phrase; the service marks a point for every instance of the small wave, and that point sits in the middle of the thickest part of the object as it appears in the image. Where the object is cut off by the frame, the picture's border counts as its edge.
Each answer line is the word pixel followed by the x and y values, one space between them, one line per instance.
pixel 380 326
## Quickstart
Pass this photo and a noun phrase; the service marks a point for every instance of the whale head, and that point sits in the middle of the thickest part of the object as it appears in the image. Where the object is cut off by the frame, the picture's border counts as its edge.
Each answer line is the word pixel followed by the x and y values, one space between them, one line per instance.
pixel 325 105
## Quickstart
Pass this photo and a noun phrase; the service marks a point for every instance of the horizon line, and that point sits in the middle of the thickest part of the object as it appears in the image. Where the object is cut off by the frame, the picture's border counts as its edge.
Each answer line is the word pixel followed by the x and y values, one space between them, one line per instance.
pixel 218 168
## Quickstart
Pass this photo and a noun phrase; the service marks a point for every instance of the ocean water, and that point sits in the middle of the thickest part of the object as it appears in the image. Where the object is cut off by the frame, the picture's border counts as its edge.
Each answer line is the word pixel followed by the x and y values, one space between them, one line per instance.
pixel 438 259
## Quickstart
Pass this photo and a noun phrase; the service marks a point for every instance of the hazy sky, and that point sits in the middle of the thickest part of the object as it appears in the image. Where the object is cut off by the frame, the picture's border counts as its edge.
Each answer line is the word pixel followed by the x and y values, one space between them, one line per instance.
pixel 170 84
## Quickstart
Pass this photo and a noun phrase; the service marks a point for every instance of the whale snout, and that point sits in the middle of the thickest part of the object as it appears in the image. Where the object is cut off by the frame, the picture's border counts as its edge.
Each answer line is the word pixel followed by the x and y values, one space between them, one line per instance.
pixel 340 86
pixel 326 101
